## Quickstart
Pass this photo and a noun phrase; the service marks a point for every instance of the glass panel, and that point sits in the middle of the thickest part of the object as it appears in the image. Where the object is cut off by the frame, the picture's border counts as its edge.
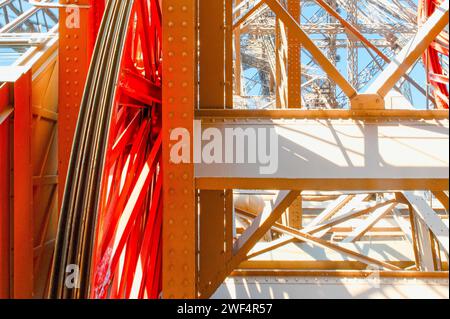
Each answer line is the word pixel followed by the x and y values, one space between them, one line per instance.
pixel 9 56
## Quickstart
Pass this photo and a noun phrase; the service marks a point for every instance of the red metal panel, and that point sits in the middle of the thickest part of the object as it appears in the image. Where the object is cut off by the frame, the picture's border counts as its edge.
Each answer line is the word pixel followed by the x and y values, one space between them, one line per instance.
pixel 23 217
pixel 4 196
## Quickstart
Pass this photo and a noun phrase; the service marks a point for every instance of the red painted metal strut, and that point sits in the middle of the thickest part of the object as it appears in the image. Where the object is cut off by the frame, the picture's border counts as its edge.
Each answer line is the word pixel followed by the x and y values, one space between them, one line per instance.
pixel 5 167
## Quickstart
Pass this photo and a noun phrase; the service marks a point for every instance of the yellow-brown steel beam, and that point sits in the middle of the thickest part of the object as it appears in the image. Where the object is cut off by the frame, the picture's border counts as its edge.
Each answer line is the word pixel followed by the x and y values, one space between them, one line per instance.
pixel 281 61
pixel 179 100
pixel 212 54
pixel 229 54
pixel 247 15
pixel 215 91
pixel 237 62
pixel 294 60
pixel 342 273
pixel 251 236
pixel 304 236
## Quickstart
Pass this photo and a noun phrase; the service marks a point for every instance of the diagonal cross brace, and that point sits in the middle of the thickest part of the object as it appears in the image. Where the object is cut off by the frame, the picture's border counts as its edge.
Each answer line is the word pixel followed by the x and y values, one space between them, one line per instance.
pixel 262 224
pixel 429 217
pixel 309 45
pixel 411 52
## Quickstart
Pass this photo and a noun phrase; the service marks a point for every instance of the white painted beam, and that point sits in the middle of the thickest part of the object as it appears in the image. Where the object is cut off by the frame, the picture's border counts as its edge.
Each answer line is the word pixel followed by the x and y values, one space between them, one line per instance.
pixel 368 223
pixel 430 218
pixel 321 154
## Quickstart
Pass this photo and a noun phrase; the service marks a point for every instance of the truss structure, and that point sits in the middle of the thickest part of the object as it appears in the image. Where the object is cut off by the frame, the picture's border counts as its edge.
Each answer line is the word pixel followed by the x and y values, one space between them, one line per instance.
pixel 354 91
pixel 339 82
pixel 28 144
pixel 24 29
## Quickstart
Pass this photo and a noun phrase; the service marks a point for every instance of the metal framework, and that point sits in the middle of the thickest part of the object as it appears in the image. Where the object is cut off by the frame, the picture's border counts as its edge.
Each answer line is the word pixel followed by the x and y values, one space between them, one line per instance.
pixel 111 217
pixel 342 185
pixel 219 220
pixel 341 30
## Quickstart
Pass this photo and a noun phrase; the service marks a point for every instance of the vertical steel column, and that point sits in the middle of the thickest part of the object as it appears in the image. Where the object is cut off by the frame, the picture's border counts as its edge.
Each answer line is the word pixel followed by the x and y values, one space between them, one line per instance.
pixel 212 54
pixel 352 48
pixel 424 242
pixel 237 62
pixel 23 192
pixel 75 46
pixel 179 99
pixel 216 58
pixel 229 54
pixel 331 53
pixel 281 64
pixel 295 213
pixel 294 60
pixel 5 179
pixel 212 237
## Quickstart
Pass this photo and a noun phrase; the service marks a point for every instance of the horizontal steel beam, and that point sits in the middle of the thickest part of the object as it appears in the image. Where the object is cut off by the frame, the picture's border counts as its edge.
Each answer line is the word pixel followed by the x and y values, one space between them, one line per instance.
pixel 387 115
